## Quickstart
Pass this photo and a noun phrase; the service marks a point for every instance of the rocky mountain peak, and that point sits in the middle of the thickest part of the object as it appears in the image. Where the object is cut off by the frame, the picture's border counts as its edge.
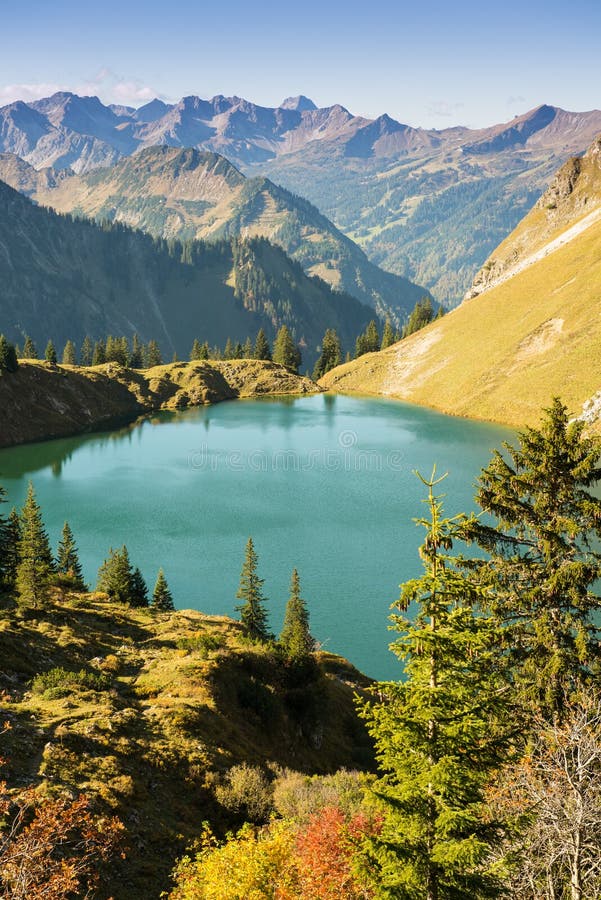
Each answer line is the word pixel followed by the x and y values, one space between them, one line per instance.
pixel 298 104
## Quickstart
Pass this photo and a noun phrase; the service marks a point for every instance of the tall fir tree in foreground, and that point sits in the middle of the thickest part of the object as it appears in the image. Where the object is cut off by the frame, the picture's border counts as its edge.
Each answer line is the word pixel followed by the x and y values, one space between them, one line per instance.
pixel 10 536
pixel 50 353
pixel 138 591
pixel 543 554
pixel 36 565
pixel 162 599
pixel 295 639
pixel 253 614
pixel 285 351
pixel 8 356
pixel 439 734
pixel 69 354
pixel 67 559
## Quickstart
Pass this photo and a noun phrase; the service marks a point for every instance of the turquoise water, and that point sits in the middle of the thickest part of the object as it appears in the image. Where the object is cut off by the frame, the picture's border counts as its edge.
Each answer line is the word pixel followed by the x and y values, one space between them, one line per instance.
pixel 322 483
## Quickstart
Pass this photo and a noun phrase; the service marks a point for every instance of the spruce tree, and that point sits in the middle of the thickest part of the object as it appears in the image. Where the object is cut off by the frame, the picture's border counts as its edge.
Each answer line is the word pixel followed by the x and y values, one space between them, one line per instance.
pixel 253 614
pixel 440 733
pixel 136 359
pixel 295 638
pixel 421 315
pixel 87 351
pixel 228 350
pixel 195 352
pixel 69 355
pixel 8 356
pixel 36 565
pixel 50 353
pixel 153 355
pixel 331 354
pixel 204 351
pixel 115 576
pixel 99 354
pixel 138 590
pixel 372 337
pixel 262 348
pixel 29 349
pixel 543 558
pixel 388 335
pixel 285 351
pixel 10 536
pixel 162 600
pixel 67 560
pixel 238 351
pixel 247 350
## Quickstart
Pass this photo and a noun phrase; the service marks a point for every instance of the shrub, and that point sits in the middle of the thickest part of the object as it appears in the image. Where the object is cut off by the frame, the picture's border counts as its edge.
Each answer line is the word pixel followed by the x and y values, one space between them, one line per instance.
pixel 60 682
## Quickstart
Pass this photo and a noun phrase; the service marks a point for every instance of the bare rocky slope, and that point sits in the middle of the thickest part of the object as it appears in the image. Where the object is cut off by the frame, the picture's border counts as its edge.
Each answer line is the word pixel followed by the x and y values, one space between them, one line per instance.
pixel 42 401
pixel 531 332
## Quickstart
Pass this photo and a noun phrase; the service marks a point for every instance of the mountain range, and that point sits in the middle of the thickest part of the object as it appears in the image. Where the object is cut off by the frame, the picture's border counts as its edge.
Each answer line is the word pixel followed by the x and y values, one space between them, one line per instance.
pixel 63 278
pixel 530 329
pixel 427 204
pixel 189 194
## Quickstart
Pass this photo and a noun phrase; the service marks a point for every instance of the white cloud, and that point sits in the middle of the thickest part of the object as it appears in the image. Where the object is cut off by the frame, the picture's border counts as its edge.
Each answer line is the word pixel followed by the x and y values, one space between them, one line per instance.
pixel 444 109
pixel 106 84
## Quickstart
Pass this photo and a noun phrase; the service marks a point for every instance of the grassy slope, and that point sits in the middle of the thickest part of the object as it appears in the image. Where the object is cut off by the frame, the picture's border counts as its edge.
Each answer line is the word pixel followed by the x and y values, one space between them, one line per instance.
pixel 41 401
pixel 503 355
pixel 148 746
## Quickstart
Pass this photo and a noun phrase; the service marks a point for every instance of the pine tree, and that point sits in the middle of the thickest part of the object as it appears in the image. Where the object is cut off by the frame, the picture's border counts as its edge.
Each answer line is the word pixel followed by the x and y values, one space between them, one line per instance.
pixel 285 351
pixel 29 349
pixel 99 355
pixel 50 353
pixel 253 614
pixel 247 350
pixel 36 565
pixel 196 350
pixel 228 350
pixel 262 348
pixel 10 536
pixel 440 734
pixel 543 561
pixel 372 338
pixel 421 315
pixel 115 576
pixel 295 638
pixel 204 351
pixel 162 600
pixel 67 560
pixel 331 354
pixel 238 351
pixel 138 590
pixel 87 351
pixel 8 356
pixel 388 335
pixel 69 355
pixel 153 355
pixel 136 359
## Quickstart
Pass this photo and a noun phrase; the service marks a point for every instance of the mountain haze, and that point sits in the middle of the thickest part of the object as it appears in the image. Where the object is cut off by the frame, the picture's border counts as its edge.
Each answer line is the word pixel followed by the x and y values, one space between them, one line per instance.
pixel 429 205
pixel 531 331
pixel 189 194
pixel 64 278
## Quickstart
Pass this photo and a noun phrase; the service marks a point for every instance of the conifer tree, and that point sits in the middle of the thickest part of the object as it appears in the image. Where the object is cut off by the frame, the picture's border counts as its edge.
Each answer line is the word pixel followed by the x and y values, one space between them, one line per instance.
pixel 388 335
pixel 36 565
pixel 440 734
pixel 8 356
pixel 195 352
pixel 295 638
pixel 421 315
pixel 29 349
pixel 368 341
pixel 228 351
pixel 331 354
pixel 247 350
pixel 253 614
pixel 87 351
pixel 204 351
pixel 238 351
pixel 50 353
pixel 285 351
pixel 162 599
pixel 99 354
pixel 262 348
pixel 153 355
pixel 543 558
pixel 69 355
pixel 138 590
pixel 67 560
pixel 136 359
pixel 115 576
pixel 10 536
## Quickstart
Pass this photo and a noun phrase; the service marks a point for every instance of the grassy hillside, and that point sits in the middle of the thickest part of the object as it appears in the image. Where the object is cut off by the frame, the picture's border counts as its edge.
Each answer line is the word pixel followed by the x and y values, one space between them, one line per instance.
pixel 504 354
pixel 161 705
pixel 191 195
pixel 62 278
pixel 42 401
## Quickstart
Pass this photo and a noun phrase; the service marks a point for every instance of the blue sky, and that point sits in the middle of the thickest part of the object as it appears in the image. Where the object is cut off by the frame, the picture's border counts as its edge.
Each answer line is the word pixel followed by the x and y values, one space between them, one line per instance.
pixel 427 63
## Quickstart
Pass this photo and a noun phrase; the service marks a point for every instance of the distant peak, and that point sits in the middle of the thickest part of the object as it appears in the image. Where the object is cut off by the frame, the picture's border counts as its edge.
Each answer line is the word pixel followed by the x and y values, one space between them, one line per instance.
pixel 300 103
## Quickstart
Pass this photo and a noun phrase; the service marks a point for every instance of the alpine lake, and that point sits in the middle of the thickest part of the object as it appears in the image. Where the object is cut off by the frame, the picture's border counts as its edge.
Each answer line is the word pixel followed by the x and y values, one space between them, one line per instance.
pixel 325 484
